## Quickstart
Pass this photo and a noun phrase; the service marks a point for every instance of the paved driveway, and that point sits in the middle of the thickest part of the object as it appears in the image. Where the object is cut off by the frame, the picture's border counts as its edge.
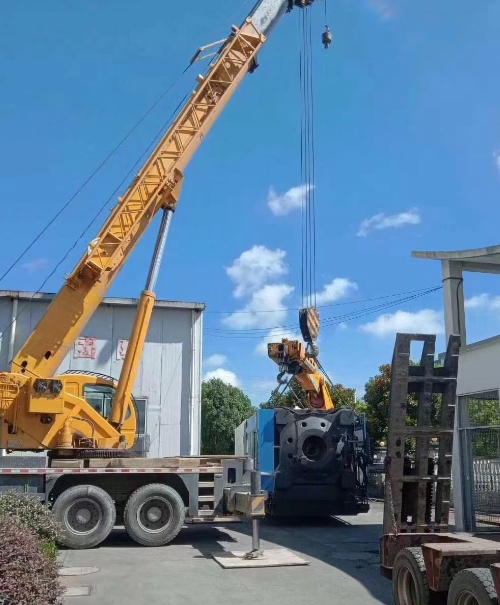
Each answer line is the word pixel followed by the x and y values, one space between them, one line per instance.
pixel 343 567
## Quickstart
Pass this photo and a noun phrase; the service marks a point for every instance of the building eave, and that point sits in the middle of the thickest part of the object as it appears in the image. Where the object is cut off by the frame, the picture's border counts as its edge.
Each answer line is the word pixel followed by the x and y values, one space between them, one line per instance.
pixel 127 302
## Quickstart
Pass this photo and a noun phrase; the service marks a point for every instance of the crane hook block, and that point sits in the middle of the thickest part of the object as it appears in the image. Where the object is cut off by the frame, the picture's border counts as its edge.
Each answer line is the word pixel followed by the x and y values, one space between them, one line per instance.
pixel 326 37
pixel 309 324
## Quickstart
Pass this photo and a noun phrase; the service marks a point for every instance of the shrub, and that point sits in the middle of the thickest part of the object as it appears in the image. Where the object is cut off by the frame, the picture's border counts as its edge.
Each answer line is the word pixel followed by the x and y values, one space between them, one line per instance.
pixel 36 517
pixel 28 576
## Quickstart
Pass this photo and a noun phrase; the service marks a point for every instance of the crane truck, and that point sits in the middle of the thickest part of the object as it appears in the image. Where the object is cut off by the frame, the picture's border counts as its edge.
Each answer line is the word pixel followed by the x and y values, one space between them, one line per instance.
pixel 88 476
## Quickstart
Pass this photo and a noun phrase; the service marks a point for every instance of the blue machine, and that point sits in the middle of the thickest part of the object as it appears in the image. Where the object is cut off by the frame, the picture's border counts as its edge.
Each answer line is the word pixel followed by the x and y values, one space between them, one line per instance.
pixel 311 462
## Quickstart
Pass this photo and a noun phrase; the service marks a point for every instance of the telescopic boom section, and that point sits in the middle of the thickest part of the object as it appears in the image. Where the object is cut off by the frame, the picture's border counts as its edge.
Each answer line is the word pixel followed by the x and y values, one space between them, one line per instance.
pixel 156 187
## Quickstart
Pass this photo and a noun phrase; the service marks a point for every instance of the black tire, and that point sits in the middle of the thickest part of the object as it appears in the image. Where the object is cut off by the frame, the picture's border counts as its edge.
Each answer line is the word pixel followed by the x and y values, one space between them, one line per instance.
pixel 154 515
pixel 472 587
pixel 87 515
pixel 410 585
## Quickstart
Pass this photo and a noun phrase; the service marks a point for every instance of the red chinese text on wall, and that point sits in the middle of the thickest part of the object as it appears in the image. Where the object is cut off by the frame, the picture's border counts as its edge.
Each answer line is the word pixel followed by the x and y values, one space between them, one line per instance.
pixel 85 348
pixel 121 349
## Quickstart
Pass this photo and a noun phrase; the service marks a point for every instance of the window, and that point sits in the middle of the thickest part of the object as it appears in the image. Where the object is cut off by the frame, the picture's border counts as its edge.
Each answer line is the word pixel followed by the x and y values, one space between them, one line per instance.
pixel 100 397
pixel 140 404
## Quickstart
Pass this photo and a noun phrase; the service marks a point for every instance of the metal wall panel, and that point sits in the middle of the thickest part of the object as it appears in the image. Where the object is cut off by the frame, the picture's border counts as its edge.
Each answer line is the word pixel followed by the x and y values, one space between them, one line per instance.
pixel 169 376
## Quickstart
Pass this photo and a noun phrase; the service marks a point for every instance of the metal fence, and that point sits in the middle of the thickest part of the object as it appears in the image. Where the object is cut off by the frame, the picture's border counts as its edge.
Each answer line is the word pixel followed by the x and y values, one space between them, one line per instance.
pixel 480 444
pixel 376 481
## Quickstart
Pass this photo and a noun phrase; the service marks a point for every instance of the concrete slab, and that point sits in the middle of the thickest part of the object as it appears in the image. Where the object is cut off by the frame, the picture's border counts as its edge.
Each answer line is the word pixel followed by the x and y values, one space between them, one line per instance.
pixel 78 591
pixel 77 571
pixel 277 557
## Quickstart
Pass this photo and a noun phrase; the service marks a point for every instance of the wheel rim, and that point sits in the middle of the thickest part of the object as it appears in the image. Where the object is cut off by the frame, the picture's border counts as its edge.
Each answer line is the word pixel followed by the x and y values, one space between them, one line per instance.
pixel 406 587
pixel 83 516
pixel 154 514
pixel 466 598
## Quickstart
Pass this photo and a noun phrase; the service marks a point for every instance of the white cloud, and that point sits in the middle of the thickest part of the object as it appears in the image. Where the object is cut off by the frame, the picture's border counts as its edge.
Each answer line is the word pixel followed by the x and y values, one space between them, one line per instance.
pixel 265 309
pixel 35 265
pixel 293 199
pixel 222 374
pixel 383 8
pixel 214 361
pixel 260 386
pixel 426 321
pixel 339 288
pixel 276 335
pixel 496 158
pixel 342 326
pixel 381 221
pixel 255 267
pixel 483 301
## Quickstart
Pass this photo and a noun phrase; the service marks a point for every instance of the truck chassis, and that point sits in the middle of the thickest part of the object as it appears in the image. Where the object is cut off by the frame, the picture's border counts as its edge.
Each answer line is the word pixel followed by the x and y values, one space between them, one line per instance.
pixel 152 498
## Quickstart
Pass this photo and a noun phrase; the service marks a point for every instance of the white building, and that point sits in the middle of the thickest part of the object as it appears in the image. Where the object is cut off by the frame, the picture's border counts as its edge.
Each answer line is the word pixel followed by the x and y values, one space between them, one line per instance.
pixel 476 450
pixel 168 386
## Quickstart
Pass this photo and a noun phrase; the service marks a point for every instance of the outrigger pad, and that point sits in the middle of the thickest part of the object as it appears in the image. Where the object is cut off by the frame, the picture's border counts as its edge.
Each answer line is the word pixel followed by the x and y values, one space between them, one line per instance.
pixel 279 557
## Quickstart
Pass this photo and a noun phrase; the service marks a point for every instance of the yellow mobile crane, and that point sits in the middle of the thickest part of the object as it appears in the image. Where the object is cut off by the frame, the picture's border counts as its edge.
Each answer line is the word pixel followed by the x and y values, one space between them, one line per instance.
pixel 43 411
pixel 88 476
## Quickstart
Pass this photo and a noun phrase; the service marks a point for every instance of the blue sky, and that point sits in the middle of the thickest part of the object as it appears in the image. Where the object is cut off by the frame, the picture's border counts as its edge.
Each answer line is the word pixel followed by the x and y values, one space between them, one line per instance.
pixel 407 115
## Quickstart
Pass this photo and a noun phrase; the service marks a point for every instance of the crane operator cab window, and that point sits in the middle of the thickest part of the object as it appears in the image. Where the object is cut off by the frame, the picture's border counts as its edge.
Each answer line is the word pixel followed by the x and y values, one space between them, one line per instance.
pixel 100 397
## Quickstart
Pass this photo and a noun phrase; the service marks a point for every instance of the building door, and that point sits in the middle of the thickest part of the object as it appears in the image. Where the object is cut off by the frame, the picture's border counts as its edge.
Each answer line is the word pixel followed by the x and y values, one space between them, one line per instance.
pixel 142 445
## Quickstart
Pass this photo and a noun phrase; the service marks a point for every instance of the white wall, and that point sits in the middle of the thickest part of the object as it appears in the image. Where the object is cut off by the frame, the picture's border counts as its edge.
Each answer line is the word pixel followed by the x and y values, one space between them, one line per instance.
pixel 479 367
pixel 169 375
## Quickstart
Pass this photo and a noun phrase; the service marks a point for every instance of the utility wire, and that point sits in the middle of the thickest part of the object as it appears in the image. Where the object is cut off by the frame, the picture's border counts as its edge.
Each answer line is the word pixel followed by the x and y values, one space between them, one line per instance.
pixel 337 304
pixel 92 175
pixel 100 166
pixel 328 320
pixel 332 321
pixel 99 212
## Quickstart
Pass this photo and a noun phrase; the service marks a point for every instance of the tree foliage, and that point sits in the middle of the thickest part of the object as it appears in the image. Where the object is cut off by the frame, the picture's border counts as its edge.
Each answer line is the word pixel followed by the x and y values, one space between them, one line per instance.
pixel 223 408
pixel 27 574
pixel 34 516
pixel 377 400
pixel 295 396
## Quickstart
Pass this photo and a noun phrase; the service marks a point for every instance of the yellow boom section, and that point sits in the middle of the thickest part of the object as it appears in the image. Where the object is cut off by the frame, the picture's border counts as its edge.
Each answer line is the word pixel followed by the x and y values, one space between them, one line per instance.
pixel 157 186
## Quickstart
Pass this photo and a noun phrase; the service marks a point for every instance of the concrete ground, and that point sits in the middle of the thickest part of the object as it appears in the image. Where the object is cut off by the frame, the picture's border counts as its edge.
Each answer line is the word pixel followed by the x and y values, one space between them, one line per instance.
pixel 343 569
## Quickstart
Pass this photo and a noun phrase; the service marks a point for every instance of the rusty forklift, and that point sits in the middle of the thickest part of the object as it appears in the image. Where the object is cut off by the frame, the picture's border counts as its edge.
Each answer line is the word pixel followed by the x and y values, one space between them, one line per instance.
pixel 424 559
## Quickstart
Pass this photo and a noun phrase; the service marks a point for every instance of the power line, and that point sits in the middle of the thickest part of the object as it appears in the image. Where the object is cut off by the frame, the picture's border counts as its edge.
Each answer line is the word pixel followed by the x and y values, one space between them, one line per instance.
pixel 99 212
pixel 91 176
pixel 100 166
pixel 259 333
pixel 328 320
pixel 350 302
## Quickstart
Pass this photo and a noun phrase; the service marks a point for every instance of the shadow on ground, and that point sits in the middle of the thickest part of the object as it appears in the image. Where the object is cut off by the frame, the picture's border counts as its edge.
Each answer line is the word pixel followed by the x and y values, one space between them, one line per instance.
pixel 350 545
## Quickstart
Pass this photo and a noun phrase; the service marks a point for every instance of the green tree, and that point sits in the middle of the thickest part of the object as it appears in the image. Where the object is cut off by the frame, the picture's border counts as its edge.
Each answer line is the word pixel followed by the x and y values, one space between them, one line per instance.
pixel 295 396
pixel 377 399
pixel 223 408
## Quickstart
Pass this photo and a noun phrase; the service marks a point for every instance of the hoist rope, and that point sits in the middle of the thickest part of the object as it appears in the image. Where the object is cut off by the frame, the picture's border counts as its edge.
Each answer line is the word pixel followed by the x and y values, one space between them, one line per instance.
pixel 307 162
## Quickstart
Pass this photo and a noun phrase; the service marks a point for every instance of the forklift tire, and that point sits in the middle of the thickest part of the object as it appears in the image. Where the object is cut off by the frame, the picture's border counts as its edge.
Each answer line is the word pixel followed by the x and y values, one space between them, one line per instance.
pixel 410 585
pixel 86 514
pixel 472 587
pixel 154 515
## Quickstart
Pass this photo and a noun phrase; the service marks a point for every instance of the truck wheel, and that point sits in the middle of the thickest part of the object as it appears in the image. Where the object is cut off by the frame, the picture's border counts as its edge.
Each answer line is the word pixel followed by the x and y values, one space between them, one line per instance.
pixel 472 587
pixel 87 515
pixel 409 578
pixel 154 515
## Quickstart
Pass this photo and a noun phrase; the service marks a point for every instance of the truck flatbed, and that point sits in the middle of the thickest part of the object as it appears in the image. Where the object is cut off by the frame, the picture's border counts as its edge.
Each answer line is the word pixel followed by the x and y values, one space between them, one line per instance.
pixel 152 497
